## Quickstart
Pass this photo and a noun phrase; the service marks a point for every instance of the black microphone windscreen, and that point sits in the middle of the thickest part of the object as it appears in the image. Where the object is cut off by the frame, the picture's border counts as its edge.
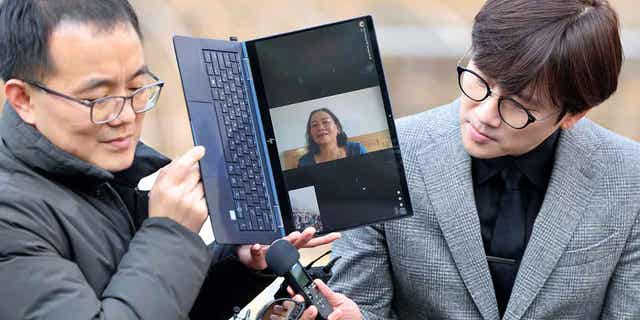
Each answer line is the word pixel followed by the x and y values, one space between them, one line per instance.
pixel 281 256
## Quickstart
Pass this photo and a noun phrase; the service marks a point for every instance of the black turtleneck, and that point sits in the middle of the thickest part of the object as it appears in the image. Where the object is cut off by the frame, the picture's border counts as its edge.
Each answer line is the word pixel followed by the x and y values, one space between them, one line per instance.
pixel 536 166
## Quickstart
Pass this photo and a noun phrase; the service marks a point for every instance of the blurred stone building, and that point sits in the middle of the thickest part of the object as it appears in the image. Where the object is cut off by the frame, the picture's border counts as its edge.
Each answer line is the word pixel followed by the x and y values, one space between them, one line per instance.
pixel 420 42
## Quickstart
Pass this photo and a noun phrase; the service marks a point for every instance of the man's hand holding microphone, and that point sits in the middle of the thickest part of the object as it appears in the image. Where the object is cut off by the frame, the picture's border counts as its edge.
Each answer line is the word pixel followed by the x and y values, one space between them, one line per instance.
pixel 178 194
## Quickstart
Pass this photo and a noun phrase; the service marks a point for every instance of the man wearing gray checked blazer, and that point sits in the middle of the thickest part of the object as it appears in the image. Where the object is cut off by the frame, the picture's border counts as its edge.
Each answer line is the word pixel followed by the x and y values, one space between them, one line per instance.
pixel 535 69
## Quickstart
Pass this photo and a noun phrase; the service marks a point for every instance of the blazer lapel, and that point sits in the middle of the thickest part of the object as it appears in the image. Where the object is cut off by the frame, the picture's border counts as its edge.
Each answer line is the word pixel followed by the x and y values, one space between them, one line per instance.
pixel 446 168
pixel 567 195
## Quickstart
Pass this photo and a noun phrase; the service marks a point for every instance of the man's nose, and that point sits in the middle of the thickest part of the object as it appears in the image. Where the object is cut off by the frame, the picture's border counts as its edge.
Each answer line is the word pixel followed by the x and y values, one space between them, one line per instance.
pixel 487 111
pixel 126 116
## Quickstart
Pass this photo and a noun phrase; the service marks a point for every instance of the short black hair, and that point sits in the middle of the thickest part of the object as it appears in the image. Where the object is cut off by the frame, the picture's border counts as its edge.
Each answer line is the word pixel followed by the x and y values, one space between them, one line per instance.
pixel 26 27
pixel 567 51
pixel 341 138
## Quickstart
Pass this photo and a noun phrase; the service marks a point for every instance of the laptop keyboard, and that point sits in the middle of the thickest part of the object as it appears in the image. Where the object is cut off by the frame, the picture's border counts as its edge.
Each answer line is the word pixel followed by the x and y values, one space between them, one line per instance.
pixel 253 212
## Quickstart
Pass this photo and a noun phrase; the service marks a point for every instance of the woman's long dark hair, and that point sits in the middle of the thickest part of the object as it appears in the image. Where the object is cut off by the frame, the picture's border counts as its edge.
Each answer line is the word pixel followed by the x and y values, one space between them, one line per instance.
pixel 342 137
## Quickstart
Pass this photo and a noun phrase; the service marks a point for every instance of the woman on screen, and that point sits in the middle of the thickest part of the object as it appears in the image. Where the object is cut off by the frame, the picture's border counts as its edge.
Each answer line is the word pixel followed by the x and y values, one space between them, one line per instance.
pixel 326 140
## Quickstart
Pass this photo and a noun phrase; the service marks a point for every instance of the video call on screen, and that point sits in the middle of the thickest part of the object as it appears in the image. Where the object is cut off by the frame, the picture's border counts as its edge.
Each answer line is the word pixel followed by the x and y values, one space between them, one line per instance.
pixel 334 68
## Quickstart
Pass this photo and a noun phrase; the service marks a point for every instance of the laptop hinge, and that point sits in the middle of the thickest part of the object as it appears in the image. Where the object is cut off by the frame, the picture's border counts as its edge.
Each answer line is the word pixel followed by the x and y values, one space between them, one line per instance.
pixel 260 141
pixel 280 224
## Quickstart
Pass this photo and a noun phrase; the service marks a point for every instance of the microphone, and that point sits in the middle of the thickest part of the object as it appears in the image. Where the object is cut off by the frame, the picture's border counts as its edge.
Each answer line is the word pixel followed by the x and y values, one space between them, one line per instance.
pixel 282 257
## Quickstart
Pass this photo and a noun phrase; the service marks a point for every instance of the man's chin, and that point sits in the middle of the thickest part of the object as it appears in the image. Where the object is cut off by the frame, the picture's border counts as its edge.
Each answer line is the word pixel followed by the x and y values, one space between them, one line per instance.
pixel 481 151
pixel 115 164
pixel 116 169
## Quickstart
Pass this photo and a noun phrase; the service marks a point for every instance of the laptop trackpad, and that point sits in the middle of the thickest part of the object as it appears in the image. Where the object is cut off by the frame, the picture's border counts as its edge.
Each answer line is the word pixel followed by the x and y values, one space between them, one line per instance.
pixel 204 128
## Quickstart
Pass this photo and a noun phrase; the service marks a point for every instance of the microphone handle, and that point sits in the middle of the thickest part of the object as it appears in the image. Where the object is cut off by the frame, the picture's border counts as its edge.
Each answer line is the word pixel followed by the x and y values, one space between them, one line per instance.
pixel 311 295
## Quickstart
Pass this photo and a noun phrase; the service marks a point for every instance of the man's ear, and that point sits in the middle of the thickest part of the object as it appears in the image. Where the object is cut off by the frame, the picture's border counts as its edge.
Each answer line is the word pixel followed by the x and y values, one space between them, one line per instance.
pixel 18 95
pixel 570 120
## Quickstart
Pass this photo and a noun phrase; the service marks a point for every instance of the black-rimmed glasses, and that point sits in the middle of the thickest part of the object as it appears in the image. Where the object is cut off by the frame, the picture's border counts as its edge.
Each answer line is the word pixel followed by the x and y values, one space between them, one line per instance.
pixel 107 109
pixel 511 112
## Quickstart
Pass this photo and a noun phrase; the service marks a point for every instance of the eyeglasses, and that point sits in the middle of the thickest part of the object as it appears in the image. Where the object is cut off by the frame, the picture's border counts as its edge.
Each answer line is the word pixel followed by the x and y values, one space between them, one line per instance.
pixel 109 108
pixel 511 112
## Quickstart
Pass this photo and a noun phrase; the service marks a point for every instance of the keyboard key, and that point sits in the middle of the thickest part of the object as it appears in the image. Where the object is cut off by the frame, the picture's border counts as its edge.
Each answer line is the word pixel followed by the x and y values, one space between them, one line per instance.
pixel 254 220
pixel 207 56
pixel 227 60
pixel 209 68
pixel 214 59
pixel 220 59
pixel 234 181
pixel 267 221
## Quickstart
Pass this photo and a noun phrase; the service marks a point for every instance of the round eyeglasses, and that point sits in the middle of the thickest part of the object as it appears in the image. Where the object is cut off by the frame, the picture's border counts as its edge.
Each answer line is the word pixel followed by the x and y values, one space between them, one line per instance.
pixel 513 113
pixel 107 109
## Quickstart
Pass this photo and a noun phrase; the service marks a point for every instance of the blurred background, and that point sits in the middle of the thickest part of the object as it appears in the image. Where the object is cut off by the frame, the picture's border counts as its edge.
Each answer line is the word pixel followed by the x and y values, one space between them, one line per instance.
pixel 420 43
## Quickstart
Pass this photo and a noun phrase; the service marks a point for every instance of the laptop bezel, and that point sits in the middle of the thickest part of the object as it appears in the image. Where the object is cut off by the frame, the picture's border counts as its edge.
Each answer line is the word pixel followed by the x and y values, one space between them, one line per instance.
pixel 286 211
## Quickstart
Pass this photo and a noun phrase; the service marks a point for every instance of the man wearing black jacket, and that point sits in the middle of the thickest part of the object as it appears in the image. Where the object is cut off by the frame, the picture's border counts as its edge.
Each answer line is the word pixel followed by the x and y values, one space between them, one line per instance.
pixel 77 239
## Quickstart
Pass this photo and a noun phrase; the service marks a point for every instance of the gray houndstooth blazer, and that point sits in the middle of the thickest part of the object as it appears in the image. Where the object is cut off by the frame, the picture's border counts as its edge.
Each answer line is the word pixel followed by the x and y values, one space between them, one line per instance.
pixel 582 261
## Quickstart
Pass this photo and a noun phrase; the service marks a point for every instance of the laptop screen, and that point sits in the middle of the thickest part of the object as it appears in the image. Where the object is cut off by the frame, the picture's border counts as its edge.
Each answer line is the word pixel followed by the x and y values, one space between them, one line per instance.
pixel 327 118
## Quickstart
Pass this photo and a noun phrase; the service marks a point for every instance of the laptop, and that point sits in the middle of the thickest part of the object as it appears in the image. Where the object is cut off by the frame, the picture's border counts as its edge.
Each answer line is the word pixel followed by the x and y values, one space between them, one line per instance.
pixel 298 131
